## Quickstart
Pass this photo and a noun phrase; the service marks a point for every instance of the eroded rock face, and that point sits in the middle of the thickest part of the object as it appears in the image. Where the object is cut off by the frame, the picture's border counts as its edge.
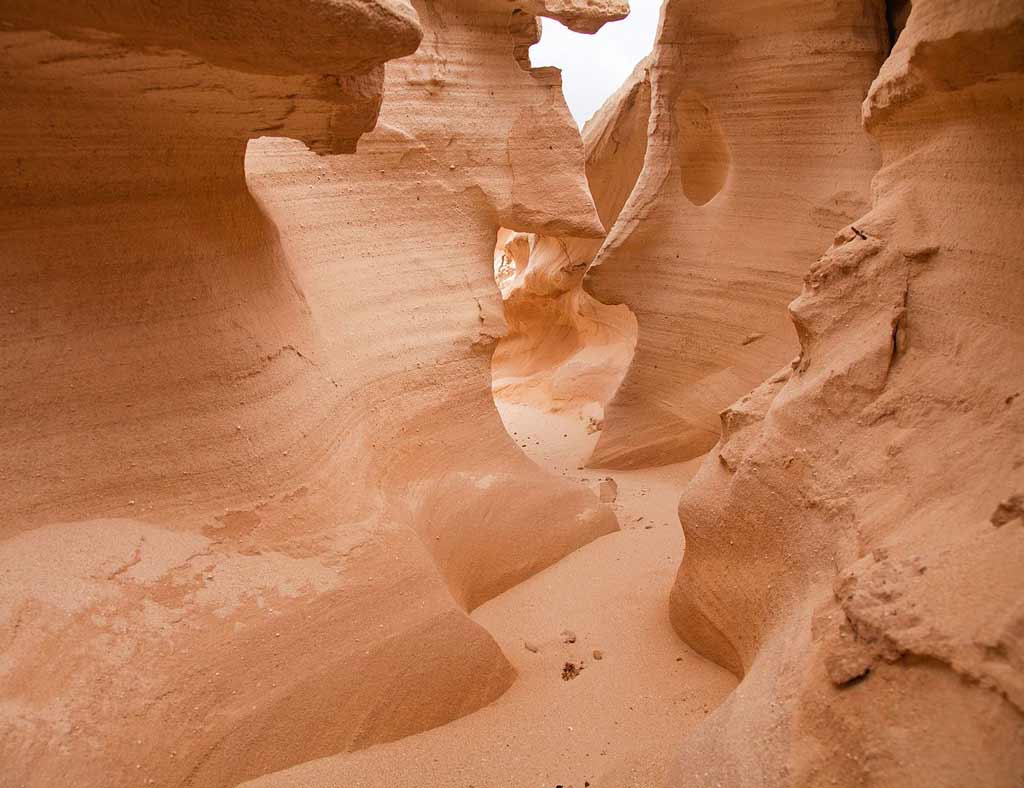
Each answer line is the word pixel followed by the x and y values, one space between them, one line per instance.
pixel 254 475
pixel 566 352
pixel 755 157
pixel 853 542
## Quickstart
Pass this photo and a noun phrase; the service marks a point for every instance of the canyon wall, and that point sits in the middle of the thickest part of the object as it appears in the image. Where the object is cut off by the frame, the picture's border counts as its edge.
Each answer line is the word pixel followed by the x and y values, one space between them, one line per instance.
pixel 755 155
pixel 253 475
pixel 855 539
pixel 254 480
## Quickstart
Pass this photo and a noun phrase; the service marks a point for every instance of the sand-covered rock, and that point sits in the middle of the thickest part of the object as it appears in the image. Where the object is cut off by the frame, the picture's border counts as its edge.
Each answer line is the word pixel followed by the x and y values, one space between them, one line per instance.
pixel 848 551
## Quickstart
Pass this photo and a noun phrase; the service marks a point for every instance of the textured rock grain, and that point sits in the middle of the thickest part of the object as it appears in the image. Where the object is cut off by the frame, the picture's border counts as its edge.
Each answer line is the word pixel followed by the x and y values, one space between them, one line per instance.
pixel 841 549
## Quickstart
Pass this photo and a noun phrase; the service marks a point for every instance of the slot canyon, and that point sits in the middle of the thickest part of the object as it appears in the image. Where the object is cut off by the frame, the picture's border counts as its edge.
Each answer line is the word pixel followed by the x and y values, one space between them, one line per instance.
pixel 365 422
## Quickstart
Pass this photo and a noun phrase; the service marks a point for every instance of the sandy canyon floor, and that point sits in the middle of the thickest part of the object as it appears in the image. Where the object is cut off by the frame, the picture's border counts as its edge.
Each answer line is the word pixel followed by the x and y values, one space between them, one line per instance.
pixel 617 721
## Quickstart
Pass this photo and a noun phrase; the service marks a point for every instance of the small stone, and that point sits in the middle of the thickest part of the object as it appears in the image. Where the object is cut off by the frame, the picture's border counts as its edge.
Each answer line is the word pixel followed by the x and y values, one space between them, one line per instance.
pixel 568 636
pixel 1009 510
pixel 607 490
pixel 752 338
pixel 598 654
pixel 530 646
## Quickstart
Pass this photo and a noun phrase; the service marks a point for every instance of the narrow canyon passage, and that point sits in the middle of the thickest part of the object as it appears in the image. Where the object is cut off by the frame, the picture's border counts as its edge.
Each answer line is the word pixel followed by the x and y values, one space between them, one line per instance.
pixel 565 353
pixel 383 408
pixel 616 723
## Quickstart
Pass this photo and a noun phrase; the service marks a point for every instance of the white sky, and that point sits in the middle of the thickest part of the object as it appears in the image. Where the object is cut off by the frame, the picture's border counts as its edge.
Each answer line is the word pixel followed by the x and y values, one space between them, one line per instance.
pixel 594 66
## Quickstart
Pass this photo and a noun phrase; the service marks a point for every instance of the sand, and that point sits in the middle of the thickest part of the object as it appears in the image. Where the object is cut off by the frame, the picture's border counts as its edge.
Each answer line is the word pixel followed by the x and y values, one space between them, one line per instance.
pixel 616 724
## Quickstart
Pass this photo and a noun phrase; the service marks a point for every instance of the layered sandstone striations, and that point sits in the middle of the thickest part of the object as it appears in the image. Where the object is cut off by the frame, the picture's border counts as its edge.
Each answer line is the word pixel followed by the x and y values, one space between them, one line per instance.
pixel 252 472
pixel 855 540
pixel 754 157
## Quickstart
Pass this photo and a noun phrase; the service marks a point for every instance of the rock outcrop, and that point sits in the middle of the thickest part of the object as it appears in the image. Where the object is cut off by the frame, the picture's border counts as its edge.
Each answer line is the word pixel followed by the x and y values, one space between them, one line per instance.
pixel 854 541
pixel 582 16
pixel 253 475
pixel 565 351
pixel 755 156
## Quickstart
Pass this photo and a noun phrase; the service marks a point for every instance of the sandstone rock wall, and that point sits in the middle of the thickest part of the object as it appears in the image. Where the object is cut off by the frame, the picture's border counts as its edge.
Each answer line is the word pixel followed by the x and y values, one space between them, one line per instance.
pixel 566 352
pixel 755 156
pixel 854 541
pixel 246 396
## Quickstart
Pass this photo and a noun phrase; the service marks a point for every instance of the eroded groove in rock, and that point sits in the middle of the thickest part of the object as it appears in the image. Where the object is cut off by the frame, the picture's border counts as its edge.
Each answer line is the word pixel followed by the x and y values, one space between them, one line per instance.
pixel 849 540
pixel 896 14
pixel 249 446
pixel 755 157
pixel 701 150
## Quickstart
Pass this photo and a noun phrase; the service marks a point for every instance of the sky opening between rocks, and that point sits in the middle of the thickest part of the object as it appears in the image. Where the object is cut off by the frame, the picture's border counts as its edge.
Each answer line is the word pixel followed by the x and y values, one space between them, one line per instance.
pixel 593 66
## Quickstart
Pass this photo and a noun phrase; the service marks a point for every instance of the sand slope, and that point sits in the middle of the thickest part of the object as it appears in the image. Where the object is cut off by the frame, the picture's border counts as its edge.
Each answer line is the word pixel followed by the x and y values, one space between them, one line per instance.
pixel 616 724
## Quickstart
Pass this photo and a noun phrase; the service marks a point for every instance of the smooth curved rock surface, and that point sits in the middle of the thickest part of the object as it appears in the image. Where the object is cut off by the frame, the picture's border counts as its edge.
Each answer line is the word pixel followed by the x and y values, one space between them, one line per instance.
pixel 565 352
pixel 755 156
